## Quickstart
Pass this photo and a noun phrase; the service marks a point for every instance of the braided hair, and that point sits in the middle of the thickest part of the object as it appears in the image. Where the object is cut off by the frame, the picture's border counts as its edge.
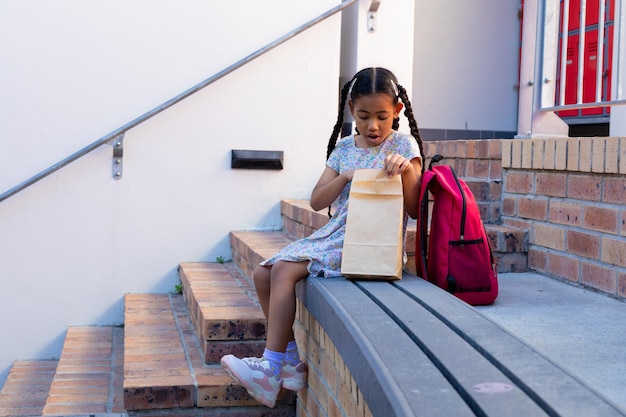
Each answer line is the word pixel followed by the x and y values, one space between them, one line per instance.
pixel 371 81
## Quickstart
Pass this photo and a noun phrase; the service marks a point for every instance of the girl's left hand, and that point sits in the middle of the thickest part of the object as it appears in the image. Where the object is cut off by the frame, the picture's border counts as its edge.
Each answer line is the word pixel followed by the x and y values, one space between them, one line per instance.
pixel 396 164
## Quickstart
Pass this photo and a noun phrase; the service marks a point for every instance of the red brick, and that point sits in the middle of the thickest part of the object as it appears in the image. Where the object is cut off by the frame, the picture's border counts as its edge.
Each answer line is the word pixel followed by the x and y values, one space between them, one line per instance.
pixel 584 187
pixel 449 148
pixel 532 208
pixel 512 262
pixel 563 266
pixel 495 169
pixel 519 223
pixel 509 206
pixel 614 190
pixel 482 148
pixel 549 236
pixel 471 149
pixel 460 167
pixel 495 149
pixel 621 284
pixel 583 244
pixel 495 190
pixel 478 168
pixel 614 251
pixel 598 277
pixel 460 149
pixel 439 147
pixel 518 182
pixel 563 212
pixel 494 210
pixel 480 189
pixel 551 184
pixel 603 219
pixel 537 260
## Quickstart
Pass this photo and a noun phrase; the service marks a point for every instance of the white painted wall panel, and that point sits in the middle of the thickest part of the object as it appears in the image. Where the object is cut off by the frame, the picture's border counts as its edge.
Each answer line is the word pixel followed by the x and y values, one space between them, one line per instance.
pixel 72 245
pixel 466 64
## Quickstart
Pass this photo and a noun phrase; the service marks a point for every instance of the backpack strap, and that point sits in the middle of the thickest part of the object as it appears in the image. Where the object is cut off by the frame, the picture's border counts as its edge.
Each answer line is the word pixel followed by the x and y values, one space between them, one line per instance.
pixel 421 240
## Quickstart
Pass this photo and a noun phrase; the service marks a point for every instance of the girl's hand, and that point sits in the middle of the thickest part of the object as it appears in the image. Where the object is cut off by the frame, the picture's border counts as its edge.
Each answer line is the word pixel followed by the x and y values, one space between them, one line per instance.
pixel 348 175
pixel 396 164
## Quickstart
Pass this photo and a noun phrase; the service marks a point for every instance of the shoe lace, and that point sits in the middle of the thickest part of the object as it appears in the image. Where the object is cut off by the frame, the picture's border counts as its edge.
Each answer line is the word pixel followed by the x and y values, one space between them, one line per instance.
pixel 255 363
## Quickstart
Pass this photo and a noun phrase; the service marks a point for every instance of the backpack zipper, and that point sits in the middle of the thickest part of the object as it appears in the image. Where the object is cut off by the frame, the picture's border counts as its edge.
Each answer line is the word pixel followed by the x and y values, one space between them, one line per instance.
pixel 463 214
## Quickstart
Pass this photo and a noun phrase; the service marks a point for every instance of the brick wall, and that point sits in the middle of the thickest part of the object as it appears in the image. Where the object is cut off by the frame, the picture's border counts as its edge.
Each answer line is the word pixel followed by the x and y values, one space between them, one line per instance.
pixel 331 389
pixel 479 163
pixel 570 194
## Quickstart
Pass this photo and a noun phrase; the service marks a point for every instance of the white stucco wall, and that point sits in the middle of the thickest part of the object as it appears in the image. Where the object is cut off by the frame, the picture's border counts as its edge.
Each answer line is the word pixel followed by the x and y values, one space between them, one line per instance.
pixel 72 71
pixel 72 245
pixel 466 64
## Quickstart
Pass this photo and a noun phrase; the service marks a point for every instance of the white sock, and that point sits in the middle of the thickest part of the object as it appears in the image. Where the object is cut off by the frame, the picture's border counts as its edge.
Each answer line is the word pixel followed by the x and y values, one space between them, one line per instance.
pixel 275 359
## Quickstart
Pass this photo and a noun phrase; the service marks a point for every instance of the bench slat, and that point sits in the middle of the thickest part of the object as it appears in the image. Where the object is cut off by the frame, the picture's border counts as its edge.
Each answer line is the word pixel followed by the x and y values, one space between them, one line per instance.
pixel 486 389
pixel 553 388
pixel 376 350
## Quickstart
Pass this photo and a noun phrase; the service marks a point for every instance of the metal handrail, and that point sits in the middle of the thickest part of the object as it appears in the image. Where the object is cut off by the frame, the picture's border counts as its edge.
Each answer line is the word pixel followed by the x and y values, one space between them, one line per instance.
pixel 116 133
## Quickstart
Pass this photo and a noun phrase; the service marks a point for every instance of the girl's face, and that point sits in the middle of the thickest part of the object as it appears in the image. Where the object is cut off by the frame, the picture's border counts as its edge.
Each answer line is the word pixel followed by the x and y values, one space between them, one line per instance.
pixel 374 115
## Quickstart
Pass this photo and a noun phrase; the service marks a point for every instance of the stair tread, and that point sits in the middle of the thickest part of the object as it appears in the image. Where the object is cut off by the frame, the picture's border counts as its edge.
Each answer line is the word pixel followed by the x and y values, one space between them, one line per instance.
pixel 163 362
pixel 26 388
pixel 88 375
pixel 223 306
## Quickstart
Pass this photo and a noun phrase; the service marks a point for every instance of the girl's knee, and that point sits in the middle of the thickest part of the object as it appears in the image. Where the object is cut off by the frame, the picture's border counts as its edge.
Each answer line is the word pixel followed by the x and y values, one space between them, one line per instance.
pixel 291 272
pixel 261 275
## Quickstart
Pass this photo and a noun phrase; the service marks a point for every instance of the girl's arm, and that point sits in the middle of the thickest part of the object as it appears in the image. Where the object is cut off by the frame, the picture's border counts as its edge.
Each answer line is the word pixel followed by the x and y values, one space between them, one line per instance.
pixel 328 188
pixel 411 181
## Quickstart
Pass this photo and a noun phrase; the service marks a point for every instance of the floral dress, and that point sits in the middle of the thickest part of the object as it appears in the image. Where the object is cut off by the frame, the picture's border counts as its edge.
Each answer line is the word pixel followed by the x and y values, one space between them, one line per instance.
pixel 323 249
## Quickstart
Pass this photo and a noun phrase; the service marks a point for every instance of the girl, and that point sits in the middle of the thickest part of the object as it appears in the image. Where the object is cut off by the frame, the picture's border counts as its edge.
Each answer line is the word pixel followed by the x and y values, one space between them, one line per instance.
pixel 375 100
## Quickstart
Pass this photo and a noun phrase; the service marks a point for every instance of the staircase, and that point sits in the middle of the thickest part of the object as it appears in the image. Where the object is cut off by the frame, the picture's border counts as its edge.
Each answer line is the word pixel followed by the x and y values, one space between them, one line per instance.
pixel 165 360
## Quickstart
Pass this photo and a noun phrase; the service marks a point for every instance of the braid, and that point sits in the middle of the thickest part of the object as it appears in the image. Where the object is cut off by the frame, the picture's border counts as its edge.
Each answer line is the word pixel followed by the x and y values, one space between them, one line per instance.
pixel 408 112
pixel 342 103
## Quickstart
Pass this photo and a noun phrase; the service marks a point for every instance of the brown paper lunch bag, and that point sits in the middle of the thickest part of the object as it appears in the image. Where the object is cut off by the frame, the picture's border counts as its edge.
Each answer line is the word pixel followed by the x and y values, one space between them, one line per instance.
pixel 373 243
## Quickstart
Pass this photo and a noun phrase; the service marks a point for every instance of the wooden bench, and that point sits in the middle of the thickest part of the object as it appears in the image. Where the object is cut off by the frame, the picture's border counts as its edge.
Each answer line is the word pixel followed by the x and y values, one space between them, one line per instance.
pixel 415 350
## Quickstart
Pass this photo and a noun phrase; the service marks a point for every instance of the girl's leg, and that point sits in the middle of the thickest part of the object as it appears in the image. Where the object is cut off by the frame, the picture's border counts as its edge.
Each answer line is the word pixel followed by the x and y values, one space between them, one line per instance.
pixel 282 303
pixel 264 377
pixel 261 278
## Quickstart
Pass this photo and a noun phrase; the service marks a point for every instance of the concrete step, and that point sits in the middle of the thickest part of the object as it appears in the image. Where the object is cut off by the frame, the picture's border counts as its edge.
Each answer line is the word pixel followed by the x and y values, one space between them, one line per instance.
pixel 88 378
pixel 224 310
pixel 251 247
pixel 164 366
pixel 26 389
pixel 155 364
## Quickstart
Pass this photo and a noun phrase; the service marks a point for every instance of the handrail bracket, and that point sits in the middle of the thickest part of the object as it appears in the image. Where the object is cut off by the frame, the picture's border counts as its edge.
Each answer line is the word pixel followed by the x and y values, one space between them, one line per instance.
pixel 372 14
pixel 118 155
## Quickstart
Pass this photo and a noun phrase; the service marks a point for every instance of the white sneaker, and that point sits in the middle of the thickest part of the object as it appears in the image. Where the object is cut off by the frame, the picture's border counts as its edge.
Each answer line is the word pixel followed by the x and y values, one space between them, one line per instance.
pixel 294 377
pixel 256 376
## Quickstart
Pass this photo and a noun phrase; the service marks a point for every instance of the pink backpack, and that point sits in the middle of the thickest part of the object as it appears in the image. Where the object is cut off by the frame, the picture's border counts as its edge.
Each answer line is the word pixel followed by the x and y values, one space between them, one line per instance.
pixel 457 255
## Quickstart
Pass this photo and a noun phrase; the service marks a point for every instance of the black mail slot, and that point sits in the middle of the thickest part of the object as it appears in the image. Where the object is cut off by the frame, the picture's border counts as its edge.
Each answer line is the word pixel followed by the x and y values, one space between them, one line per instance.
pixel 246 159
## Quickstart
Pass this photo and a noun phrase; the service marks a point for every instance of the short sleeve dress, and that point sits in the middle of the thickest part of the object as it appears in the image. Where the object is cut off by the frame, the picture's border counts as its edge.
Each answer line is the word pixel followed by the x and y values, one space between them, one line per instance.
pixel 323 249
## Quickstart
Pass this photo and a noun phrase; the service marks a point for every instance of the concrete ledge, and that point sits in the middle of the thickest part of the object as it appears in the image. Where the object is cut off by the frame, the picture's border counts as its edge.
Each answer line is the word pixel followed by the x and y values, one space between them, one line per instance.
pixel 414 349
